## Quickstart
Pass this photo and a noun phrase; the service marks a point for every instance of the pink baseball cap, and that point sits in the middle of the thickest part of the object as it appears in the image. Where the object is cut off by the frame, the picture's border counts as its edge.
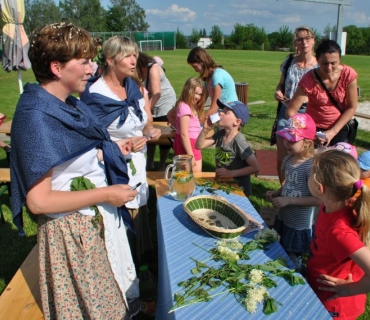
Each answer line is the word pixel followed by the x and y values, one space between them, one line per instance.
pixel 300 126
pixel 347 148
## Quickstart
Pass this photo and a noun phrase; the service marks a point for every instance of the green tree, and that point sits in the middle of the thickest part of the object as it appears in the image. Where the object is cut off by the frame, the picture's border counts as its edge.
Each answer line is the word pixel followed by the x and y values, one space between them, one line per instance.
pixel 216 37
pixel 114 21
pixel 40 12
pixel 131 16
pixel 194 37
pixel 248 37
pixel 285 38
pixel 329 29
pixel 238 36
pixel 72 10
pixel 93 17
pixel 356 42
pixel 274 40
pixel 181 42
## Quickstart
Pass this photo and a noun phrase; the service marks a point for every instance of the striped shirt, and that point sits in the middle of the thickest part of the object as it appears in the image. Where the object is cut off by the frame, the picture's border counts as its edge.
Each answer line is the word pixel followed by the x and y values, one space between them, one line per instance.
pixel 296 185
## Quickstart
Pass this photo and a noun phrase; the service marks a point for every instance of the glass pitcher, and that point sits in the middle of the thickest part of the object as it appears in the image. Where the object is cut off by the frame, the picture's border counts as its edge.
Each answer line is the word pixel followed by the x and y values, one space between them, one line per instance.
pixel 182 182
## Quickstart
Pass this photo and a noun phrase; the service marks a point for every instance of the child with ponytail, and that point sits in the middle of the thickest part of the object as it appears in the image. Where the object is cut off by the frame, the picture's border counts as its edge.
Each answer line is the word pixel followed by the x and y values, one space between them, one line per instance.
pixel 338 268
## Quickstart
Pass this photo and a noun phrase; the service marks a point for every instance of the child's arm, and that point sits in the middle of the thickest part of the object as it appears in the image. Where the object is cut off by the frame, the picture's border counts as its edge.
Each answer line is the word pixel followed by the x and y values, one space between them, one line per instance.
pixel 171 116
pixel 272 194
pixel 253 167
pixel 345 288
pixel 184 134
pixel 280 202
pixel 217 91
pixel 202 140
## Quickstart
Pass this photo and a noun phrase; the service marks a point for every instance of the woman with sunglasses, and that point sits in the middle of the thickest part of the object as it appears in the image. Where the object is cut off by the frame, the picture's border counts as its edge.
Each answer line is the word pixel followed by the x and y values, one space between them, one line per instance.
pixel 293 68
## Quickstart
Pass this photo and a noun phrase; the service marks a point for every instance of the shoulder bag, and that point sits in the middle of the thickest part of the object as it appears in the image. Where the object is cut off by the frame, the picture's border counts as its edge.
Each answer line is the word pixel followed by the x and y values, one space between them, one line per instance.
pixel 351 124
pixel 274 126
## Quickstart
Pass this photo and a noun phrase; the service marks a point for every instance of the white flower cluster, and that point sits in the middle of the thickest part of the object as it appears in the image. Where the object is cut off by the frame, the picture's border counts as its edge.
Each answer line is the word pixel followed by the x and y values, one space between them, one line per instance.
pixel 267 234
pixel 255 296
pixel 256 276
pixel 227 254
pixel 233 244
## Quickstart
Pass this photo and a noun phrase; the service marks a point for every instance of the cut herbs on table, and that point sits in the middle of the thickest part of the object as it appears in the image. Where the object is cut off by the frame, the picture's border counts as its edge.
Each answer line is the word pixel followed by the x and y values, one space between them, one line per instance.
pixel 82 183
pixel 249 283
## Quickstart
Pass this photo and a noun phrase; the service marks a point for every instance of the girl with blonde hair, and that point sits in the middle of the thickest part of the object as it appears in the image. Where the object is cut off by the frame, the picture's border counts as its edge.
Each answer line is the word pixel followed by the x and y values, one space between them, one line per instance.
pixel 188 110
pixel 338 268
pixel 294 200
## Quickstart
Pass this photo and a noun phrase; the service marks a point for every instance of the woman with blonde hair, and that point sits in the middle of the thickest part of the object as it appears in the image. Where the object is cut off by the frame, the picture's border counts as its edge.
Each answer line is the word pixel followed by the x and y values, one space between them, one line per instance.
pixel 122 106
pixel 293 68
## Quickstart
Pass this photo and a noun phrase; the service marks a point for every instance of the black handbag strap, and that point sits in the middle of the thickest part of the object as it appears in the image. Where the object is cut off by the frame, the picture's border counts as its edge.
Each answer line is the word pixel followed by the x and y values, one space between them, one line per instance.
pixel 286 67
pixel 333 101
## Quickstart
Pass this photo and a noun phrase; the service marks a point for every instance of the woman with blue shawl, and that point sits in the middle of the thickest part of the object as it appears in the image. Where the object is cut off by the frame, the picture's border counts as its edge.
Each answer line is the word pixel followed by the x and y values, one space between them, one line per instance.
pixel 68 171
pixel 122 106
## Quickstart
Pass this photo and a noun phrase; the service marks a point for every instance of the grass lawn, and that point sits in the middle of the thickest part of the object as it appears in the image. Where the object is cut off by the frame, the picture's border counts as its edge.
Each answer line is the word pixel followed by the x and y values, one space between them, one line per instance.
pixel 258 68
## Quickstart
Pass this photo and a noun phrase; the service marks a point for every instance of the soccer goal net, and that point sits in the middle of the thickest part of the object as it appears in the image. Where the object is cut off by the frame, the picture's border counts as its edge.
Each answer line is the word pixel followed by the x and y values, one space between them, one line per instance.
pixel 151 45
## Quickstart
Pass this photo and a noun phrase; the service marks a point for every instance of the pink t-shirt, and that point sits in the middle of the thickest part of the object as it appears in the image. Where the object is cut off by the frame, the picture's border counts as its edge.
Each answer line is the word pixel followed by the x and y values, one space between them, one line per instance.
pixel 194 124
pixel 319 106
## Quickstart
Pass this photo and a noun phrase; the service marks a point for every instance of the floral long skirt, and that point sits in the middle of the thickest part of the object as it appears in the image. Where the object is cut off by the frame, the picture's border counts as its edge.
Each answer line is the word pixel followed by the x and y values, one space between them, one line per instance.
pixel 76 279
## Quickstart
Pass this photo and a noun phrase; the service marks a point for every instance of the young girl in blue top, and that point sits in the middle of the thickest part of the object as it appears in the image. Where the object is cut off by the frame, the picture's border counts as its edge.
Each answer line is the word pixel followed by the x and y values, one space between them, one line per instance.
pixel 294 199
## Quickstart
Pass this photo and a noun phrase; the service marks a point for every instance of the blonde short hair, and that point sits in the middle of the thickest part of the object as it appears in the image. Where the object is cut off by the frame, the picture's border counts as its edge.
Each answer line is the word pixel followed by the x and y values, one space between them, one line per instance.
pixel 116 48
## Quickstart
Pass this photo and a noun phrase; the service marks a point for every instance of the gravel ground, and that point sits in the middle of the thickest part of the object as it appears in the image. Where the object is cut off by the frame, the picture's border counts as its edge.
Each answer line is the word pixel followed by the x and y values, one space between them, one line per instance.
pixel 364 107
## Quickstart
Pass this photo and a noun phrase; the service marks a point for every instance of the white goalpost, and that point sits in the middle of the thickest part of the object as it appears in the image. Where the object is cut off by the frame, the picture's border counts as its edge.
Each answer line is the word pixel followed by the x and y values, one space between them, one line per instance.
pixel 151 45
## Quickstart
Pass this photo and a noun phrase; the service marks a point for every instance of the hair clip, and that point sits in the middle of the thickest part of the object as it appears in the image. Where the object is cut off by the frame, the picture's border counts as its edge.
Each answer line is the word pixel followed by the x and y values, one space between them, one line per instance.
pixel 358 184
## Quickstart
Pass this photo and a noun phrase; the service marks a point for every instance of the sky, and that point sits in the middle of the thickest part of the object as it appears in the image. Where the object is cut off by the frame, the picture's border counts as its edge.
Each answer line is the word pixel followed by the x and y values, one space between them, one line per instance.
pixel 170 15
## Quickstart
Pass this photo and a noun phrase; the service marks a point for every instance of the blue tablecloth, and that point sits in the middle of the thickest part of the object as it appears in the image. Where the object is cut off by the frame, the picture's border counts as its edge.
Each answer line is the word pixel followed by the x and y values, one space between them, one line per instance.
pixel 176 235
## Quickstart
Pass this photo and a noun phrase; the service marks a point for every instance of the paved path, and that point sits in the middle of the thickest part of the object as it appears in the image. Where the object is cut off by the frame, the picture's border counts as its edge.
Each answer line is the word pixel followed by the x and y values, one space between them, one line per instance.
pixel 364 107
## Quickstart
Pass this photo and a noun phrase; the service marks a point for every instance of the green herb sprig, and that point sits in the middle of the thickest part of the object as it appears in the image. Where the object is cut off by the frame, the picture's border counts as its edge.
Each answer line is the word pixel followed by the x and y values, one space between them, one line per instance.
pixel 82 183
pixel 247 282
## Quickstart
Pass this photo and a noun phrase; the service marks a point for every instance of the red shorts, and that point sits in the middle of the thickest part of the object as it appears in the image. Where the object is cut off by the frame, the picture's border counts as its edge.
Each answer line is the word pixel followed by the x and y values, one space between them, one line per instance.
pixel 179 148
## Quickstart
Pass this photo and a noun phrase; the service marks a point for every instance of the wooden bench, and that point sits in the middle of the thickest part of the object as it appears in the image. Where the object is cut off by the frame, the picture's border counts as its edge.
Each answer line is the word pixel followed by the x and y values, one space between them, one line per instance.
pixel 21 299
pixel 4 174
pixel 362 115
pixel 4 179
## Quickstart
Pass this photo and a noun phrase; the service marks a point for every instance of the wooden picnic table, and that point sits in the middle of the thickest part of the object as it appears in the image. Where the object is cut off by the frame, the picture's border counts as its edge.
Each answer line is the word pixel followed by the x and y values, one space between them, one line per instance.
pixel 5 127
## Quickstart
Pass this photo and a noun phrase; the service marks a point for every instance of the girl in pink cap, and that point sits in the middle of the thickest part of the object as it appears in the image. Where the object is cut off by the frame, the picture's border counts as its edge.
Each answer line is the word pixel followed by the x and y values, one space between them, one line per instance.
pixel 293 199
